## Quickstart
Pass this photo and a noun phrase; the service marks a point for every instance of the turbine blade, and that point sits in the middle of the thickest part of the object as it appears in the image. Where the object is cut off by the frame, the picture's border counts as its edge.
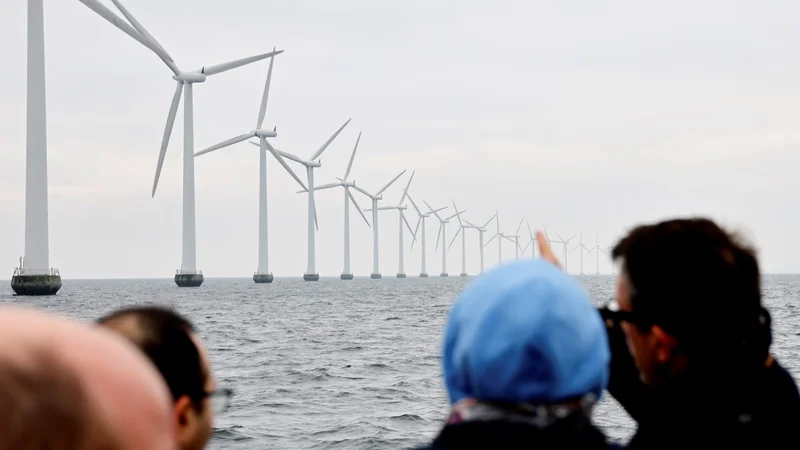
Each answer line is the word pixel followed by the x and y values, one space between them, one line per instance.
pixel 559 236
pixel 519 227
pixel 156 47
pixel 434 211
pixel 490 240
pixel 439 235
pixel 326 186
pixel 545 232
pixel 352 157
pixel 328 142
pixel 457 213
pixel 454 238
pixel 224 144
pixel 359 189
pixel 390 183
pixel 355 203
pixel 173 110
pixel 416 228
pixel 408 225
pixel 263 111
pixel 226 66
pixel 530 232
pixel 284 164
pixel 413 203
pixel 405 191
pixel 489 221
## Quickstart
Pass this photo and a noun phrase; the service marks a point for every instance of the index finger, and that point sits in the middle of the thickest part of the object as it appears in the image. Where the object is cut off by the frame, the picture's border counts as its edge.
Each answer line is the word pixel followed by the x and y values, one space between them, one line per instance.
pixel 545 250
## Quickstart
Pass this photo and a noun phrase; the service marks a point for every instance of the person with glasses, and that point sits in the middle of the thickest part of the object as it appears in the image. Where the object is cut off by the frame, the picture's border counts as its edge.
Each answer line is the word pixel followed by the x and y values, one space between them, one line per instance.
pixel 690 341
pixel 169 340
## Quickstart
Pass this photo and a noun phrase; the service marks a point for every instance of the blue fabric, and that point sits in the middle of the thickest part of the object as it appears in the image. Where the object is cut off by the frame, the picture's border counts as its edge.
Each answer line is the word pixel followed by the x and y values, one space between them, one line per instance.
pixel 525 332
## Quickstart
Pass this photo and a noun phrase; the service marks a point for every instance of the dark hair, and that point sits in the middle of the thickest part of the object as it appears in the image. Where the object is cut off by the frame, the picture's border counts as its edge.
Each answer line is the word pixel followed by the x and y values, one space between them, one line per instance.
pixel 699 283
pixel 166 338
pixel 45 406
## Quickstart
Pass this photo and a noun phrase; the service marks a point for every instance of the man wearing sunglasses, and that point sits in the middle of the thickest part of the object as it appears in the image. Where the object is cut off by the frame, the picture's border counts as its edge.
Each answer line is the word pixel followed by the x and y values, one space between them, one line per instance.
pixel 690 341
pixel 169 340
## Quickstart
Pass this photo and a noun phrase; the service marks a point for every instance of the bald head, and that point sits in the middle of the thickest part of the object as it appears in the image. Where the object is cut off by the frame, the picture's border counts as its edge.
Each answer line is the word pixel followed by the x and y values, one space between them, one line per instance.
pixel 68 386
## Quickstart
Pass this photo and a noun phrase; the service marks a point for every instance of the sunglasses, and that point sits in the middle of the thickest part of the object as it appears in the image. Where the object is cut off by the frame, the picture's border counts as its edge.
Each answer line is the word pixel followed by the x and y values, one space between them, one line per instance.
pixel 220 399
pixel 611 312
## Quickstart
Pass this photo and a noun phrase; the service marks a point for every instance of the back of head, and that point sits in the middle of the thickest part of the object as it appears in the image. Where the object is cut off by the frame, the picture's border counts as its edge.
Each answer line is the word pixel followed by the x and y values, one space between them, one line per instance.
pixel 699 283
pixel 525 332
pixel 67 386
pixel 166 338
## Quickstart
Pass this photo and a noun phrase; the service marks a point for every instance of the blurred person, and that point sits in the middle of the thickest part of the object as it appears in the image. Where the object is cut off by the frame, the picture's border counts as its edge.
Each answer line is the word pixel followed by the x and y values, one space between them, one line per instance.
pixel 690 341
pixel 170 341
pixel 525 358
pixel 67 386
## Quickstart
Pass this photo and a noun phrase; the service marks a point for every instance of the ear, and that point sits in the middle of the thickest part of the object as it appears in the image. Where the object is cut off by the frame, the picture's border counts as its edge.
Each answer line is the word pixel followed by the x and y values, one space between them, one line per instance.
pixel 664 344
pixel 185 419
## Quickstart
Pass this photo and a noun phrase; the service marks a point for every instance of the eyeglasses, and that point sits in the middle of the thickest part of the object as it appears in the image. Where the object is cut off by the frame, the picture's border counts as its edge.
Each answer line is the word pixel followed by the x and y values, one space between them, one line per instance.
pixel 220 399
pixel 611 312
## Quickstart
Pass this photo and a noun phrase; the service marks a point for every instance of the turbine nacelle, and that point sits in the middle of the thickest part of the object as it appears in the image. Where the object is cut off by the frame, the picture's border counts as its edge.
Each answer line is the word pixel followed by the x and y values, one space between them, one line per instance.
pixel 266 133
pixel 189 77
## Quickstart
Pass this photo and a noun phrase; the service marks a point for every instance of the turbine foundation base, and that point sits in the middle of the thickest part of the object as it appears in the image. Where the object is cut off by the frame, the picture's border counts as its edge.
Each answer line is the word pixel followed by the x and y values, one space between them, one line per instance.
pixel 311 277
pixel 36 284
pixel 263 278
pixel 423 275
pixel 189 279
pixel 401 275
pixel 443 274
pixel 347 276
pixel 376 276
pixel 464 274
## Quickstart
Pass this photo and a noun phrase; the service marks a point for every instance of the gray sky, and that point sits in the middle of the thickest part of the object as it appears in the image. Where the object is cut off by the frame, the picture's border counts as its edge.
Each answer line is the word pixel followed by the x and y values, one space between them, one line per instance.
pixel 593 115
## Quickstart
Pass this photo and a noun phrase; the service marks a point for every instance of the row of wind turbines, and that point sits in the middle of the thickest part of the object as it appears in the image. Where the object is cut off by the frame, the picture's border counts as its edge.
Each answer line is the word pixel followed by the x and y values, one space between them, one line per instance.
pixel 34 276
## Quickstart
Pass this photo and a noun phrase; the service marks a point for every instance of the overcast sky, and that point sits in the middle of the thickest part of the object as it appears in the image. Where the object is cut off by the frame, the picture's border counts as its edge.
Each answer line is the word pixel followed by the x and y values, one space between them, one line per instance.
pixel 584 115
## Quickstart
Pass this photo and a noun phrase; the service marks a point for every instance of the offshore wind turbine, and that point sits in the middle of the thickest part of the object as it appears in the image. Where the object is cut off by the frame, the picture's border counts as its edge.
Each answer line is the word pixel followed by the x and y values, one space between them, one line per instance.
pixel 583 248
pixel 599 249
pixel 442 234
pixel 348 197
pixel 262 274
pixel 531 242
pixel 421 220
pixel 188 275
pixel 515 239
pixel 34 276
pixel 310 164
pixel 481 230
pixel 564 248
pixel 401 208
pixel 500 237
pixel 461 230
pixel 376 272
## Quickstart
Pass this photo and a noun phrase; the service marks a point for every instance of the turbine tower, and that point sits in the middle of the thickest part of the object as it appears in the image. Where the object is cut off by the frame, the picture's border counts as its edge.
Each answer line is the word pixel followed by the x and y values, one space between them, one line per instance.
pixel 421 220
pixel 481 230
pixel 500 237
pixel 583 248
pixel 598 249
pixel 262 274
pixel 401 208
pixel 348 197
pixel 376 272
pixel 532 242
pixel 442 234
pixel 515 239
pixel 188 275
pixel 34 276
pixel 461 230
pixel 310 164
pixel 564 248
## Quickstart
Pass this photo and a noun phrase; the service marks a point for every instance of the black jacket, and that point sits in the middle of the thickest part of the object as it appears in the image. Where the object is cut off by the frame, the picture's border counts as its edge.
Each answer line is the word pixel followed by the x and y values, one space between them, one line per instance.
pixel 703 408
pixel 575 432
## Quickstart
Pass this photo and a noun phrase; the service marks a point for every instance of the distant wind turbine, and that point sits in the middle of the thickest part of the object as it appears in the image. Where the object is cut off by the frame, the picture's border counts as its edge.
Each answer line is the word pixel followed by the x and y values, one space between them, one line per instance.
pixel 311 164
pixel 376 272
pixel 421 221
pixel 482 230
pixel 583 249
pixel 188 275
pixel 400 207
pixel 442 235
pixel 348 197
pixel 263 274
pixel 564 249
pixel 597 255
pixel 462 226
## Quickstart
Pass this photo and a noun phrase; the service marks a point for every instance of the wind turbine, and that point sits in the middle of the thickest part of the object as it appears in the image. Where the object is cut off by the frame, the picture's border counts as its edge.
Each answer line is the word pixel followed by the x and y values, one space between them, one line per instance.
pixel 531 242
pixel 515 239
pixel 313 225
pixel 188 275
pixel 583 248
pixel 348 197
pixel 599 249
pixel 421 220
pixel 461 228
pixel 501 236
pixel 481 230
pixel 442 234
pixel 34 276
pixel 564 248
pixel 401 208
pixel 376 273
pixel 262 275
